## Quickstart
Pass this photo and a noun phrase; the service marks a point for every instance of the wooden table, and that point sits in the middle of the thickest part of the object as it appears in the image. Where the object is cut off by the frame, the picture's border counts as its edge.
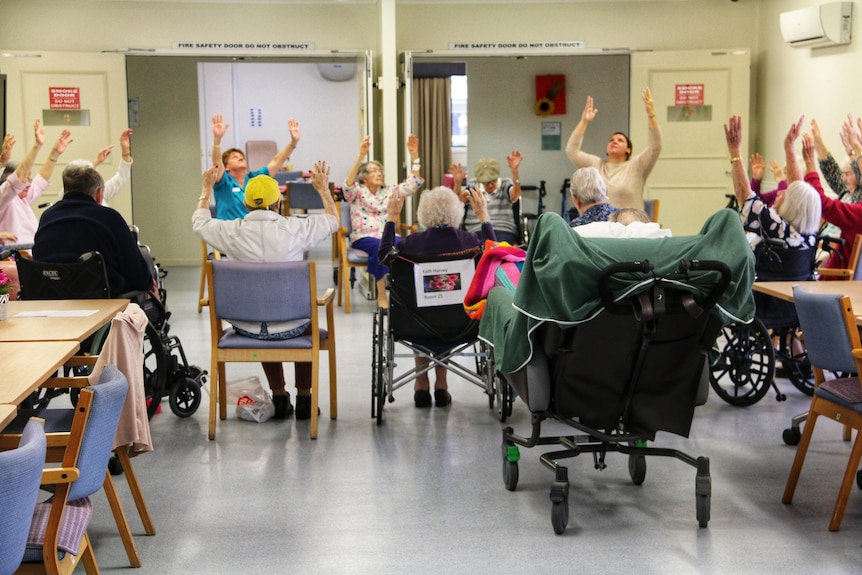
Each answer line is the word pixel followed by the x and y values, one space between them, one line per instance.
pixel 7 414
pixel 27 364
pixel 53 328
pixel 784 290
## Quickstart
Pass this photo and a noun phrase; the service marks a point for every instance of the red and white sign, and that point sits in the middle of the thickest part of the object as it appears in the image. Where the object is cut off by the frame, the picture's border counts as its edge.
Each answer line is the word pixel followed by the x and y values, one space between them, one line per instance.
pixel 689 95
pixel 64 98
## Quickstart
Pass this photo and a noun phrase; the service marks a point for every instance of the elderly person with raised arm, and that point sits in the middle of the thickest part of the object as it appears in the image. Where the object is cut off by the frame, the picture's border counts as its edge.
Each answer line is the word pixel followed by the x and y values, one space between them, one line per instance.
pixel 115 184
pixel 439 214
pixel 500 194
pixel 16 216
pixel 369 196
pixel 264 235
pixel 624 174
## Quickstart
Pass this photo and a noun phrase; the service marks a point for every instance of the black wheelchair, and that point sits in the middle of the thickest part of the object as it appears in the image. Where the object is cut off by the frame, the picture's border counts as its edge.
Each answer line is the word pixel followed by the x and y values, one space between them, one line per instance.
pixel 747 354
pixel 166 369
pixel 439 334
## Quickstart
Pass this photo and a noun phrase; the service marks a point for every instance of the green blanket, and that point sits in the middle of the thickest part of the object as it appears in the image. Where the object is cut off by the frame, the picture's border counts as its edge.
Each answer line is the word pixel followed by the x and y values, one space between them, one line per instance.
pixel 559 280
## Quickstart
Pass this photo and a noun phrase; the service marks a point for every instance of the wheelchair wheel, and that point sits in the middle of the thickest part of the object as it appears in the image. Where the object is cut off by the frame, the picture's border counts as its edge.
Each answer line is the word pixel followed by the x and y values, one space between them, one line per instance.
pixel 796 363
pixel 745 367
pixel 380 364
pixel 504 397
pixel 185 397
pixel 155 368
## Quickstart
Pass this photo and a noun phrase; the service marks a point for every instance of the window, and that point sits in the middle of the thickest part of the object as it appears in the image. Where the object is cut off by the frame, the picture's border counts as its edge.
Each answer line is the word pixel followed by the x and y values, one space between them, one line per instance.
pixel 459 111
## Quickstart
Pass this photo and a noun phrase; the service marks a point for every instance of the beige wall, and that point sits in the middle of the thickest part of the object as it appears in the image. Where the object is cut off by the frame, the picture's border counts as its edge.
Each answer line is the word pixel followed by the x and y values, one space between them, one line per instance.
pixel 787 82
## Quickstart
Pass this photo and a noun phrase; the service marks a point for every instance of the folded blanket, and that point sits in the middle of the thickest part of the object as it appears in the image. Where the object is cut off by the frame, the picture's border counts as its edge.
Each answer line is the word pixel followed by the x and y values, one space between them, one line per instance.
pixel 500 265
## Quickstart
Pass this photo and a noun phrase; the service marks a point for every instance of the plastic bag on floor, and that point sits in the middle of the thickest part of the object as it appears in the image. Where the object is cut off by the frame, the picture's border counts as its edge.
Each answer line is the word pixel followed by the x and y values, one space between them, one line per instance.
pixel 252 401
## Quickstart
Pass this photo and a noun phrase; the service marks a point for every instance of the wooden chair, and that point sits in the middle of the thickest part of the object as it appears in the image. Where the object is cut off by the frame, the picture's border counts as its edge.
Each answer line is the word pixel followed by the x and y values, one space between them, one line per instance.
pixel 651 207
pixel 833 344
pixel 853 271
pixel 255 292
pixel 58 421
pixel 83 452
pixel 20 476
pixel 203 297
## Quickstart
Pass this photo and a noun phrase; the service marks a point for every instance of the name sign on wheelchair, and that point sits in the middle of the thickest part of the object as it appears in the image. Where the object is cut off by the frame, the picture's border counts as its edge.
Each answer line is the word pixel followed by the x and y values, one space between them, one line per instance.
pixel 442 283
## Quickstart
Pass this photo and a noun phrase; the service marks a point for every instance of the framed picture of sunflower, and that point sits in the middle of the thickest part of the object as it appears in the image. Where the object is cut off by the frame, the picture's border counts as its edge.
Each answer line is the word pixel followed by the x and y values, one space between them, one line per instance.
pixel 550 95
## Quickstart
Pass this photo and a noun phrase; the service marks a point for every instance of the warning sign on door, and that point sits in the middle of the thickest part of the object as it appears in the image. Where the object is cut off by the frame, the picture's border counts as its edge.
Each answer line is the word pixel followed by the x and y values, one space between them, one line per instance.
pixel 689 95
pixel 64 98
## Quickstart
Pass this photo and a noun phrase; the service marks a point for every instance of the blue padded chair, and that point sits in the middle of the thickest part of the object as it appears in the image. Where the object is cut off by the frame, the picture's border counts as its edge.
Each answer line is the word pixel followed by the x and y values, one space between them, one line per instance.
pixel 257 292
pixel 58 537
pixel 347 258
pixel 832 340
pixel 20 476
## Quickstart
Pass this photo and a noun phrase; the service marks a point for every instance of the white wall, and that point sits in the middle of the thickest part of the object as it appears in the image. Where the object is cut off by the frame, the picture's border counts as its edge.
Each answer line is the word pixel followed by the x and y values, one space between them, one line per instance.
pixel 328 112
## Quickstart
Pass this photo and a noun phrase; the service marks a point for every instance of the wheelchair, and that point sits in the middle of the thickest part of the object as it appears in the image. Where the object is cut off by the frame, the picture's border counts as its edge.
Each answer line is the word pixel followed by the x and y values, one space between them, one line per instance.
pixel 165 373
pixel 745 368
pixel 441 334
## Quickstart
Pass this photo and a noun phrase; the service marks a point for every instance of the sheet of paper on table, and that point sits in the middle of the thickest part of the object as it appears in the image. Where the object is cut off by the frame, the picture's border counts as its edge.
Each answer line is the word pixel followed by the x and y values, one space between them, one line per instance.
pixel 57 313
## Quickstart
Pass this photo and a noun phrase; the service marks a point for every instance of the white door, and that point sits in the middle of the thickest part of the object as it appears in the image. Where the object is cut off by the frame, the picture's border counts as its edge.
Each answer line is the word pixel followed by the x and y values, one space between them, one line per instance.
pixel 84 92
pixel 695 93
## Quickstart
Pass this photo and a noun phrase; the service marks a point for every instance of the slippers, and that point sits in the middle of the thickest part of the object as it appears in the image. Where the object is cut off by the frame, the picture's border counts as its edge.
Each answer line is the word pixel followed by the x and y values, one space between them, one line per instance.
pixel 422 398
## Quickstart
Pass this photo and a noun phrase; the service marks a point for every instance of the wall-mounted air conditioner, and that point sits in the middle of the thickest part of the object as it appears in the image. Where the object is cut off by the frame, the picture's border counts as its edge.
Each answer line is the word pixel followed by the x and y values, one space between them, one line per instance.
pixel 818 26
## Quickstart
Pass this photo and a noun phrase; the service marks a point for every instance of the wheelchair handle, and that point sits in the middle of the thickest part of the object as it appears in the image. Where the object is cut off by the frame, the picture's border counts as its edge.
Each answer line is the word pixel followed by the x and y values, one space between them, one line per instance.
pixel 710 265
pixel 619 268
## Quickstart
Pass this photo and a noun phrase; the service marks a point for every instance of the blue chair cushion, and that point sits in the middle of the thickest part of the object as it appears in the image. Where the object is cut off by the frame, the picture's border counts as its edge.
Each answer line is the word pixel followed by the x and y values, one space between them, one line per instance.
pixel 845 391
pixel 355 256
pixel 231 339
pixel 76 518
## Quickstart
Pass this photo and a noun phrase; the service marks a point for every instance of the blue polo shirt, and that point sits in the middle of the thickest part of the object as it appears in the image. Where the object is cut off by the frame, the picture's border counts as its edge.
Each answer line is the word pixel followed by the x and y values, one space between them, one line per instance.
pixel 230 196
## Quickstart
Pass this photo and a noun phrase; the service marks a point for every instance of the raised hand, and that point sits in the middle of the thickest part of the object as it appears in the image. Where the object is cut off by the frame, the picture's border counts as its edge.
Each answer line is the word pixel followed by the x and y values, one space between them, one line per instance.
pixel 126 143
pixel 589 112
pixel 777 170
pixel 793 132
pixel 733 135
pixel 320 176
pixel 413 146
pixel 39 132
pixel 6 152
pixel 364 146
pixel 102 155
pixel 393 207
pixel 758 166
pixel 219 127
pixel 646 96
pixel 514 160
pixel 62 142
pixel 209 177
pixel 293 128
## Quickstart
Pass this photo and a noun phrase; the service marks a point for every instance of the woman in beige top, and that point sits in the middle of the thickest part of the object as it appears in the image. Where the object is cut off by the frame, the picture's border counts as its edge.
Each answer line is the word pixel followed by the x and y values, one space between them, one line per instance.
pixel 624 174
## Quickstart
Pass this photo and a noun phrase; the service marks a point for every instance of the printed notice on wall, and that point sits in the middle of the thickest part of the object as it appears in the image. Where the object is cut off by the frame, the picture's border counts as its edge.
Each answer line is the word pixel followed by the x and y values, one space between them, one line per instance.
pixel 64 98
pixel 551 135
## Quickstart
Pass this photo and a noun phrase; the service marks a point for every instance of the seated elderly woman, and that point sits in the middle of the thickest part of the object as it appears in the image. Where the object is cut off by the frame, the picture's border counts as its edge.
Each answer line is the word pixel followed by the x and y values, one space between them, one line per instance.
pixel 590 196
pixel 793 220
pixel 439 215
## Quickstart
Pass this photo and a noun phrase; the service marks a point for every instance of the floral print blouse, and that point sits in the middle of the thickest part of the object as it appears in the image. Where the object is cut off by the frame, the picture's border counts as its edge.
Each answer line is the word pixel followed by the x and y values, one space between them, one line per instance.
pixel 368 210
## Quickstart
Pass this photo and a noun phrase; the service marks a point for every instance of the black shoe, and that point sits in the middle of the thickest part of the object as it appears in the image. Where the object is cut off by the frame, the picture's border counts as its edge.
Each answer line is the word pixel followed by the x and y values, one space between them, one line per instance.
pixel 283 408
pixel 442 398
pixel 303 407
pixel 422 398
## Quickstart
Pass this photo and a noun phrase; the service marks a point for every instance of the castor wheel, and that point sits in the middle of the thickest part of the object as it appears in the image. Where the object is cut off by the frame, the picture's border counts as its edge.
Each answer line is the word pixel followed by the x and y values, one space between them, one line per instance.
pixel 792 436
pixel 185 397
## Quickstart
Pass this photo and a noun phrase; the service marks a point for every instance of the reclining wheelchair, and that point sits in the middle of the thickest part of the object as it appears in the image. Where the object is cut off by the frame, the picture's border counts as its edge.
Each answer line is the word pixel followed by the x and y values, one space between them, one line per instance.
pixel 164 372
pixel 426 316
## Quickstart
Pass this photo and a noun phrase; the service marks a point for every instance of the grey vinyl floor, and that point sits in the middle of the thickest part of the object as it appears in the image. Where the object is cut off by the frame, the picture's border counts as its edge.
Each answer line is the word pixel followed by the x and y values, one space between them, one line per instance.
pixel 423 493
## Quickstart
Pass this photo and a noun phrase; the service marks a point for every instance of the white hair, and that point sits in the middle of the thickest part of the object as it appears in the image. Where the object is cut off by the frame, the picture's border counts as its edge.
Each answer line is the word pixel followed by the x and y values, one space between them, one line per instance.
pixel 439 206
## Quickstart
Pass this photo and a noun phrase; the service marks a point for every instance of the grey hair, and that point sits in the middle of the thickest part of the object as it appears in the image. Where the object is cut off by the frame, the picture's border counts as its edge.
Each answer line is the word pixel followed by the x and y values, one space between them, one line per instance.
pixel 801 207
pixel 587 186
pixel 10 167
pixel 362 172
pixel 79 164
pixel 439 206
